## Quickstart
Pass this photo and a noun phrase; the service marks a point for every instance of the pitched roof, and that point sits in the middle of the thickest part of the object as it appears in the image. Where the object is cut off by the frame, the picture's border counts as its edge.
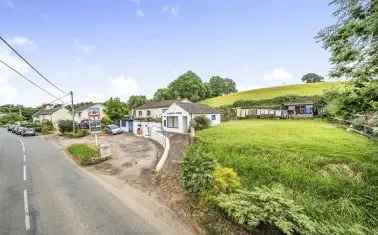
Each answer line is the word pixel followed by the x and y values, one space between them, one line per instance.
pixel 47 111
pixel 196 108
pixel 85 106
pixel 156 104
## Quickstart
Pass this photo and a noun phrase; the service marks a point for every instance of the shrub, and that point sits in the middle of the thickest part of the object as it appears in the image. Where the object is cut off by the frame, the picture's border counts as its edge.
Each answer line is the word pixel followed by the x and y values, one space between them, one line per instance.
pixel 200 122
pixel 197 171
pixel 226 180
pixel 83 153
pixel 65 126
pixel 268 207
pixel 47 127
pixel 358 123
pixel 105 121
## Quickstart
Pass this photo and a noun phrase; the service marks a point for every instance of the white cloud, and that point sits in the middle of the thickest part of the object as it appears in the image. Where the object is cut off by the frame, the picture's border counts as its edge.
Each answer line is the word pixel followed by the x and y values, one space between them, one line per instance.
pixel 140 13
pixel 22 41
pixel 8 93
pixel 278 75
pixel 83 47
pixel 171 10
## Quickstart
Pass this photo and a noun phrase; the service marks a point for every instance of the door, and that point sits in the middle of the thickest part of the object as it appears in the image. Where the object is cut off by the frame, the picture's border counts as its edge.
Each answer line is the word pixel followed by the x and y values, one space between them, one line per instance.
pixel 185 124
pixel 130 126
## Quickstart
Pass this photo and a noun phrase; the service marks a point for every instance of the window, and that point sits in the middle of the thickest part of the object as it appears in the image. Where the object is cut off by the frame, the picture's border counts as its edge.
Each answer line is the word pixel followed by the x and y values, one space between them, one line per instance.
pixel 309 109
pixel 148 113
pixel 140 113
pixel 172 122
pixel 165 123
pixel 213 117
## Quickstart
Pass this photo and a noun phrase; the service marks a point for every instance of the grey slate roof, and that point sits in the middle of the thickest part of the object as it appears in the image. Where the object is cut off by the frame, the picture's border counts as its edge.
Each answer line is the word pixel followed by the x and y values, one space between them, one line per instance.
pixel 195 108
pixel 85 106
pixel 156 104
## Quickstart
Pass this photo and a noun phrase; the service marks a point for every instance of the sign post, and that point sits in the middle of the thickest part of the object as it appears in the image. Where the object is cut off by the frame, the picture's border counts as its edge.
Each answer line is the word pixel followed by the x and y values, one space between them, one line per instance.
pixel 94 123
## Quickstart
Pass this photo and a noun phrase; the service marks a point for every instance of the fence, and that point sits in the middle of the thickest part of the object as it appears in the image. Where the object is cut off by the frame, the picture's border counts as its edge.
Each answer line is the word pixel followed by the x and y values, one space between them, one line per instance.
pixel 362 129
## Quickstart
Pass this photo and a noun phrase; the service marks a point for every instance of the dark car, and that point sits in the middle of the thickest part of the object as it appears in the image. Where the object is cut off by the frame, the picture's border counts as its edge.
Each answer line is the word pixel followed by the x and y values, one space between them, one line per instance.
pixel 28 132
pixel 19 130
pixel 113 130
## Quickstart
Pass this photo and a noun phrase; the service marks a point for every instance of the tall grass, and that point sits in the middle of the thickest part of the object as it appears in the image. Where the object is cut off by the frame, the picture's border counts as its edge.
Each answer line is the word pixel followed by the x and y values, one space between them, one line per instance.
pixel 330 172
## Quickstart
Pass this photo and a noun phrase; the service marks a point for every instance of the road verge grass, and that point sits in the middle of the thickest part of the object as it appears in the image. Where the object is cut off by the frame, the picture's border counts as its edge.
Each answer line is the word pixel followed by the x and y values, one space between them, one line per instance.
pixel 84 154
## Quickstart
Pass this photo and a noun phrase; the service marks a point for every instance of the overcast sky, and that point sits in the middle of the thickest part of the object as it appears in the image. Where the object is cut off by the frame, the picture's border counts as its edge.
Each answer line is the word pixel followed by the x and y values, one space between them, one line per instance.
pixel 103 48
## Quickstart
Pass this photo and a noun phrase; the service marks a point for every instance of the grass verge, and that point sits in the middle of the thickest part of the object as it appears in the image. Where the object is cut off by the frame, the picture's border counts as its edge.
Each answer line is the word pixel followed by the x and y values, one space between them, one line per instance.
pixel 84 154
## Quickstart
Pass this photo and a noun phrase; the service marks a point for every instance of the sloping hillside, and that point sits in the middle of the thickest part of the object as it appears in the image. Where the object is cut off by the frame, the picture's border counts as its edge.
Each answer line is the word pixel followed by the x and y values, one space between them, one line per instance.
pixel 271 92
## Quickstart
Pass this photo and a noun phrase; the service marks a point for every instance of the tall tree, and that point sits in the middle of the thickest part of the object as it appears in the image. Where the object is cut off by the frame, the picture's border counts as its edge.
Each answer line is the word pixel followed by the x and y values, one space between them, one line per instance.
pixel 190 86
pixel 135 101
pixel 353 40
pixel 312 78
pixel 220 86
pixel 163 94
pixel 115 109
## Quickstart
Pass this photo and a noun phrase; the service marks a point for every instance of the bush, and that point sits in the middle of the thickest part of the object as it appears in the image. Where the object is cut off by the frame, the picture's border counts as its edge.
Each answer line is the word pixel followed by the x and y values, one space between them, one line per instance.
pixel 226 180
pixel 83 153
pixel 105 121
pixel 80 133
pixel 65 126
pixel 47 127
pixel 268 207
pixel 200 122
pixel 358 123
pixel 197 171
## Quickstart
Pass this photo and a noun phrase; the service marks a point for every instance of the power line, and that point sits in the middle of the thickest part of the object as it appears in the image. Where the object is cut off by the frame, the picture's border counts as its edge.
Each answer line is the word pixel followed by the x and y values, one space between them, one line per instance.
pixel 27 79
pixel 31 66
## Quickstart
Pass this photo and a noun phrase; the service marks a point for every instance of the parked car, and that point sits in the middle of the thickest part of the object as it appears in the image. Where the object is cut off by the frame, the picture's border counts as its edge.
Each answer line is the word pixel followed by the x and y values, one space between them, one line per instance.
pixel 28 132
pixel 19 130
pixel 84 124
pixel 14 128
pixel 113 129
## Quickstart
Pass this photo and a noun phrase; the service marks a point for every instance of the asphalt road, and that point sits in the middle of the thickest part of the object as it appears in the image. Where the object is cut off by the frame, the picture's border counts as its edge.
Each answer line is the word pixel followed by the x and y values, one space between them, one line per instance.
pixel 42 192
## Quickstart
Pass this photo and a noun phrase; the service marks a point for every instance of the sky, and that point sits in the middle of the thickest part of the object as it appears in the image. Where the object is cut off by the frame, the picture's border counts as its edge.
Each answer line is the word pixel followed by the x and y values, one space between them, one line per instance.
pixel 103 48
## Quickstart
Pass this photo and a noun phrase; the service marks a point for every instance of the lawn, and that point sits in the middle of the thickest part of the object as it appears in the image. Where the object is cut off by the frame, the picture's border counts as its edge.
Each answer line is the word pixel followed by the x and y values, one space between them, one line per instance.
pixel 83 153
pixel 330 172
pixel 271 92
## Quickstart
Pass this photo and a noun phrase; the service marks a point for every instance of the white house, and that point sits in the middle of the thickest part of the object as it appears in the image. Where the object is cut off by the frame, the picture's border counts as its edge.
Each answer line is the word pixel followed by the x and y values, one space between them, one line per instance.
pixel 87 111
pixel 178 116
pixel 152 109
pixel 52 114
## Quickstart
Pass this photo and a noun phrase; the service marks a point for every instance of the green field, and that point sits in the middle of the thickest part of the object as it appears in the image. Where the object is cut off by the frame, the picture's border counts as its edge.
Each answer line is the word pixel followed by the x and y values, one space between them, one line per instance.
pixel 271 92
pixel 332 173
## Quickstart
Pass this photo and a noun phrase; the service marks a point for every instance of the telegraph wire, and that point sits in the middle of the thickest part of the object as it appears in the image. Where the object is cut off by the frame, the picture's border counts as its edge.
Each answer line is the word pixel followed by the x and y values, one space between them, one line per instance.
pixel 31 66
pixel 27 79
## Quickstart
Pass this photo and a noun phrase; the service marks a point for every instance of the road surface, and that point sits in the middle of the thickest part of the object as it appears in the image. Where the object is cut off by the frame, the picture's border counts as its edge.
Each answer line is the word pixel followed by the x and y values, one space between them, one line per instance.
pixel 42 192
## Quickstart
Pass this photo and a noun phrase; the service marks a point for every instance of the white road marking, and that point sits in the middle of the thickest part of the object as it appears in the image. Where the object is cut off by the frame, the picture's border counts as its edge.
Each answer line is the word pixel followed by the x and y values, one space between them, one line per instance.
pixel 24 157
pixel 24 172
pixel 26 207
pixel 23 146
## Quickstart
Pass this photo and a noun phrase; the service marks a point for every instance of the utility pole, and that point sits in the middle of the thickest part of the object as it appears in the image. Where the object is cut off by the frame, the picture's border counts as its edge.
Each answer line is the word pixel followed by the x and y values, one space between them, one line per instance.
pixel 73 112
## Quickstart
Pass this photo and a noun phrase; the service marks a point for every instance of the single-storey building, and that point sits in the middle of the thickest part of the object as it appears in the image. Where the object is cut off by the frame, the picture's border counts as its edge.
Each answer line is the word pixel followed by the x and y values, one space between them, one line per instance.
pixel 177 118
pixel 286 110
pixel 152 109
pixel 89 111
pixel 52 114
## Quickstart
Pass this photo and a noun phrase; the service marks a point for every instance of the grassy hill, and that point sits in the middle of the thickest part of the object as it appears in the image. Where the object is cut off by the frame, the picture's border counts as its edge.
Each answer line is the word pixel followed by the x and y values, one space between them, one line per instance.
pixel 271 92
pixel 328 171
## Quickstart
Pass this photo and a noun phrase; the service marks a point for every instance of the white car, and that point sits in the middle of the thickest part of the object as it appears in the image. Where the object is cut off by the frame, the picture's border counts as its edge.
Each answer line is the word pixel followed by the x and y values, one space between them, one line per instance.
pixel 113 130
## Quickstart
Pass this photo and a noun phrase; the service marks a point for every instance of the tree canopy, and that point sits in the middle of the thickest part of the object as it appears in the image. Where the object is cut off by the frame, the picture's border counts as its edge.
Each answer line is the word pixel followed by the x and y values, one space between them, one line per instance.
pixel 135 101
pixel 353 40
pixel 115 109
pixel 219 86
pixel 312 78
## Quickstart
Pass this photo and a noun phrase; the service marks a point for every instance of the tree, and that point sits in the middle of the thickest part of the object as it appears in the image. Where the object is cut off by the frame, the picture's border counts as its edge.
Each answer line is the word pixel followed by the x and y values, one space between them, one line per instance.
pixel 353 40
pixel 190 86
pixel 219 86
pixel 312 78
pixel 135 101
pixel 115 109
pixel 163 94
